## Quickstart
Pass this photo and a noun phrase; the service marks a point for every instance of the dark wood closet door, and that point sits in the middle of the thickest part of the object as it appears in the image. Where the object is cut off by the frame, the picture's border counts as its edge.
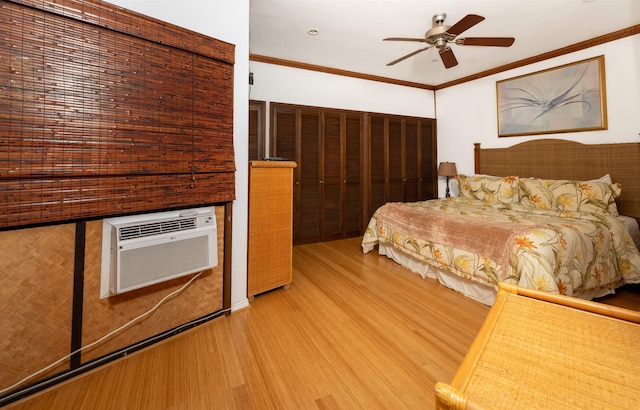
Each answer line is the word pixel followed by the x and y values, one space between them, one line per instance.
pixel 349 164
pixel 352 188
pixel 331 182
pixel 308 189
pixel 284 135
pixel 403 160
pixel 427 160
pixel 327 146
pixel 395 154
pixel 256 130
pixel 377 163
pixel 412 169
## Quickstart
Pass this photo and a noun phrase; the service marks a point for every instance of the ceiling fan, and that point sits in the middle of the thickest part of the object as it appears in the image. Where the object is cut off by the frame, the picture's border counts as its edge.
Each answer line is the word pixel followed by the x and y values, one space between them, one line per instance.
pixel 440 35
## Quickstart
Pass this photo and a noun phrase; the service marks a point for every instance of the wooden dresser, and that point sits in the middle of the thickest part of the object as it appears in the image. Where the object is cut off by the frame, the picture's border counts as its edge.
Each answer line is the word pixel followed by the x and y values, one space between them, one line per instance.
pixel 270 238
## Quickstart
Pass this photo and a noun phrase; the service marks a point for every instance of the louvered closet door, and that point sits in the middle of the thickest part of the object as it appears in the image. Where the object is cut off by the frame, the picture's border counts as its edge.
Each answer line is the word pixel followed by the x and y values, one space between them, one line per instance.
pixel 353 192
pixel 256 130
pixel 331 181
pixel 395 185
pixel 428 179
pixel 377 163
pixel 412 169
pixel 328 187
pixel 402 166
pixel 283 134
pixel 308 183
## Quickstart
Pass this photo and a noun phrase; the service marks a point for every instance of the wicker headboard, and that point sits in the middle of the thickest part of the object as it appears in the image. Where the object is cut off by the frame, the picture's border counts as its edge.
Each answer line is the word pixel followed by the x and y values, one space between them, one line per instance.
pixel 561 159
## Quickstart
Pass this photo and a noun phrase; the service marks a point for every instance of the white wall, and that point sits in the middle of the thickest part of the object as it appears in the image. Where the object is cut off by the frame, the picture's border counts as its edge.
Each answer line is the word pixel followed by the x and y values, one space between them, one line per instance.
pixel 476 102
pixel 226 20
pixel 273 83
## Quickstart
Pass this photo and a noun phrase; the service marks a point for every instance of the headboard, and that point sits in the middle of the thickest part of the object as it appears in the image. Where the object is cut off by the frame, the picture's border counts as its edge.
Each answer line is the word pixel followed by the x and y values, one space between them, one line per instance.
pixel 561 159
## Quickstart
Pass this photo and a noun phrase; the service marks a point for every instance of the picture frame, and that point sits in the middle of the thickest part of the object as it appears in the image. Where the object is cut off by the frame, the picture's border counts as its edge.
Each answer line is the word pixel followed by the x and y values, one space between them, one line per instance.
pixel 567 98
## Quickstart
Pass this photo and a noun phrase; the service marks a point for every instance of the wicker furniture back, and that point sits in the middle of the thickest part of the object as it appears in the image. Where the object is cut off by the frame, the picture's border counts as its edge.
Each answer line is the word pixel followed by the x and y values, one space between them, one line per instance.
pixel 540 350
pixel 561 159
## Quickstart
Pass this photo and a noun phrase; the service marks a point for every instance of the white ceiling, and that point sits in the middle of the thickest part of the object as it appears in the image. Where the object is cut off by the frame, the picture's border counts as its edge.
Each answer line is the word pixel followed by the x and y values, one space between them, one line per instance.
pixel 351 32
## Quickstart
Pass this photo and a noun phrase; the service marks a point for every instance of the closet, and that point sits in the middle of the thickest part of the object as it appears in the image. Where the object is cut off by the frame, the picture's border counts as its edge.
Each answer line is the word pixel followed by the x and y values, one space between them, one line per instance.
pixel 403 160
pixel 327 146
pixel 349 163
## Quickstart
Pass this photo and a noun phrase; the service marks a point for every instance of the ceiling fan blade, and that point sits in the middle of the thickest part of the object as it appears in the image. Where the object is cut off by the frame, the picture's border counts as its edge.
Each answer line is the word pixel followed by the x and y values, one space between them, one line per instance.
pixel 466 23
pixel 486 41
pixel 409 55
pixel 448 58
pixel 423 40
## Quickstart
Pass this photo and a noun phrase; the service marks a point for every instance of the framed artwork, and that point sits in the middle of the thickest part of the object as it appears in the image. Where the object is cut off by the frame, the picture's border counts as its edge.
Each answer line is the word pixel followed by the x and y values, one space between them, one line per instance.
pixel 568 98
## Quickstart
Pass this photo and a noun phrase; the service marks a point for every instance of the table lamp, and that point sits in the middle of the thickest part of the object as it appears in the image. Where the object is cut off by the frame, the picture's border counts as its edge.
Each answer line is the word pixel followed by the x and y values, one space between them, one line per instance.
pixel 447 169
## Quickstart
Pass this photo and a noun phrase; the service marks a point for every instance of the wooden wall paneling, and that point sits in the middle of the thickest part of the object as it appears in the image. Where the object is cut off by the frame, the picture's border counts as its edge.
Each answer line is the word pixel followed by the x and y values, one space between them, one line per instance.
pixel 36 296
pixel 101 316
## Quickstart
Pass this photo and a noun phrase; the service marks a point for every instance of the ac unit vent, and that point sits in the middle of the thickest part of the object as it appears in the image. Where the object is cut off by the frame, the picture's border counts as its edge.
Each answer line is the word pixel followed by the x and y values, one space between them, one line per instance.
pixel 156 228
pixel 142 250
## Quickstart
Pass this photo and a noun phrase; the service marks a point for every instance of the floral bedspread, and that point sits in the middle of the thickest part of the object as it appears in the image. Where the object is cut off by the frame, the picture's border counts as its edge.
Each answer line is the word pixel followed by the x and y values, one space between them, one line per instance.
pixel 571 253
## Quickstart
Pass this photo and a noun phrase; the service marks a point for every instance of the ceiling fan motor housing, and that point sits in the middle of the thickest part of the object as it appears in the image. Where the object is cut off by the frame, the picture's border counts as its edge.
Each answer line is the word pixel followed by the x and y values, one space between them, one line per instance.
pixel 437 35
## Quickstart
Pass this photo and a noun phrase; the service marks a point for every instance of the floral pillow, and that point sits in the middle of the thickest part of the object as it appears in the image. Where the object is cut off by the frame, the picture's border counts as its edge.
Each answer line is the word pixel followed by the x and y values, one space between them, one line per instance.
pixel 585 196
pixel 489 188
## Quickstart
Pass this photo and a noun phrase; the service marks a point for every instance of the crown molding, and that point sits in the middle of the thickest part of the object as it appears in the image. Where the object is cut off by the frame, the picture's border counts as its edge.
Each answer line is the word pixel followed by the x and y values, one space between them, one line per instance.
pixel 616 35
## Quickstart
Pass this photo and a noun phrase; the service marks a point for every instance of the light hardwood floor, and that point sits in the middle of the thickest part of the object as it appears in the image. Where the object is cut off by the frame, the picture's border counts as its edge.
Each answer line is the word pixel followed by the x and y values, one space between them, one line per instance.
pixel 354 332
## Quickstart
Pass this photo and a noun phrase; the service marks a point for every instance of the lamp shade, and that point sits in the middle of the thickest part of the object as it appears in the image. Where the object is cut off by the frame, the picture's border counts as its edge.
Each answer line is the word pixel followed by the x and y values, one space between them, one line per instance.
pixel 447 169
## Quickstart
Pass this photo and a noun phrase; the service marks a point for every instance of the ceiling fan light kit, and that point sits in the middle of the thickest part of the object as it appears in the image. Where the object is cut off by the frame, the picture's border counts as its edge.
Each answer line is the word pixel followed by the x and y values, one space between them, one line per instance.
pixel 440 35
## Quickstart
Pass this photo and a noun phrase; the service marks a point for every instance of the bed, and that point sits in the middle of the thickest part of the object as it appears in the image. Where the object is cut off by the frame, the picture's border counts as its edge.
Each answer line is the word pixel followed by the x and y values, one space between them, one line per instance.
pixel 551 215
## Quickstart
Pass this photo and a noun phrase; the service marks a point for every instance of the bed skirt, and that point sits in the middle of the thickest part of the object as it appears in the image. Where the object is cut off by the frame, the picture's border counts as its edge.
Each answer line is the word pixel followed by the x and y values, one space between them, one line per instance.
pixel 474 290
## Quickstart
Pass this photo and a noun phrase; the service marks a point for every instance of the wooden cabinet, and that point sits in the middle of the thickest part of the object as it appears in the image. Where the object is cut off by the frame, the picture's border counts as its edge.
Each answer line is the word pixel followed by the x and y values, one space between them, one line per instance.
pixel 269 260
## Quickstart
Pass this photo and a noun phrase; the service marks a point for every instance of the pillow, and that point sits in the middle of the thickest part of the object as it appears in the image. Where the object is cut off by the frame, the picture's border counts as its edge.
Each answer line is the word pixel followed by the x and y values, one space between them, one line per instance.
pixel 489 188
pixel 605 178
pixel 584 196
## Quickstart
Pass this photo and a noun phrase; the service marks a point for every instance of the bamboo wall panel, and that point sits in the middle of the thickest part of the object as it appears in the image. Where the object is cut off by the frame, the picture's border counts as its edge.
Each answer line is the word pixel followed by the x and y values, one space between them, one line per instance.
pixel 92 95
pixel 36 292
pixel 101 316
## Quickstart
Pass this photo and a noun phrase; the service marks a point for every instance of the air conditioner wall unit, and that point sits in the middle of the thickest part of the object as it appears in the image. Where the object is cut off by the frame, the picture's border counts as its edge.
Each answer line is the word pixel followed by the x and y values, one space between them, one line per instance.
pixel 143 250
